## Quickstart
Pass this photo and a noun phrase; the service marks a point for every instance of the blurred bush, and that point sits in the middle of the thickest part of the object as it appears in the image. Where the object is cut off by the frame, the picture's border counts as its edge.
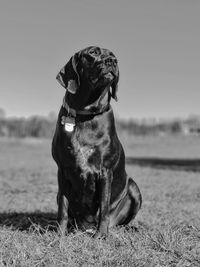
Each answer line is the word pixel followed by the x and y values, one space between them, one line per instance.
pixel 150 127
pixel 34 126
pixel 44 127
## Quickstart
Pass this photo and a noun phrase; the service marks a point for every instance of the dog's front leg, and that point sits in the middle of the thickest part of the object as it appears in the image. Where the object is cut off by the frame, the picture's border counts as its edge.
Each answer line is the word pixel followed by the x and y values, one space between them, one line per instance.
pixel 62 212
pixel 63 205
pixel 105 192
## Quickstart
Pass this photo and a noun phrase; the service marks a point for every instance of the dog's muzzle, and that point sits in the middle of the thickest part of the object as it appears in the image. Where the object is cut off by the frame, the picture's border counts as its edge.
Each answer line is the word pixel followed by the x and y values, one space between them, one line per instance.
pixel 105 70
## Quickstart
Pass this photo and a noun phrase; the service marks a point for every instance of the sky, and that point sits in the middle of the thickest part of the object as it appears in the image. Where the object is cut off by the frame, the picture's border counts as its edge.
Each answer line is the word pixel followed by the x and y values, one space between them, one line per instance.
pixel 157 43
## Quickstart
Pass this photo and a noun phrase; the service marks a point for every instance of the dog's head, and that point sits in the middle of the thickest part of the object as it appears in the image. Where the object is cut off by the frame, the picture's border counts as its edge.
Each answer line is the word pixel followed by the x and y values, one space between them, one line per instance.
pixel 87 74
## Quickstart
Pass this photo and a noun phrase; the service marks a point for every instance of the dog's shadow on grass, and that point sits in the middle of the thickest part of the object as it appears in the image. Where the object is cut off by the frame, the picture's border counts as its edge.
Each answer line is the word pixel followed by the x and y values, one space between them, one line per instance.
pixel 29 221
pixel 38 221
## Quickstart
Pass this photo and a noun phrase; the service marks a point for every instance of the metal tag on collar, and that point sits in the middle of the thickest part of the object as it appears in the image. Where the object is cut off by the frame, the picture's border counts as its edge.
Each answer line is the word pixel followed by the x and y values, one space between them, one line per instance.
pixel 68 122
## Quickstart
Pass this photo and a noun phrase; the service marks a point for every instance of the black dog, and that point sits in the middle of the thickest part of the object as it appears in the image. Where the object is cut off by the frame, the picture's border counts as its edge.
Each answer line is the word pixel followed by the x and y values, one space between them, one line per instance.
pixel 94 189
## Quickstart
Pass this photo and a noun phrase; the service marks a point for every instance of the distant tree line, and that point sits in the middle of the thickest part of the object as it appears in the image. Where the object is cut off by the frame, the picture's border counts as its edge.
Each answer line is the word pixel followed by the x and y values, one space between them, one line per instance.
pixel 151 128
pixel 44 127
pixel 35 126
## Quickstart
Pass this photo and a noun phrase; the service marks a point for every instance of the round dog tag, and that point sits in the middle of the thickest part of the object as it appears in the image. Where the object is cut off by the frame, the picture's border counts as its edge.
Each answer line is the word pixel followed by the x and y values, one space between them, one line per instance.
pixel 69 127
pixel 69 123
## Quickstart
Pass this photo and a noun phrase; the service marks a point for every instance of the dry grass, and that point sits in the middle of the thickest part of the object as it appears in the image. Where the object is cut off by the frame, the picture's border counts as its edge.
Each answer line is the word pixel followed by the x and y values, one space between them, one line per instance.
pixel 166 231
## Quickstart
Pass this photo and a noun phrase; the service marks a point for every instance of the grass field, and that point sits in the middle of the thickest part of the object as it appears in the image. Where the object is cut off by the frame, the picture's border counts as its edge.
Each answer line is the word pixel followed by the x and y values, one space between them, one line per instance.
pixel 166 231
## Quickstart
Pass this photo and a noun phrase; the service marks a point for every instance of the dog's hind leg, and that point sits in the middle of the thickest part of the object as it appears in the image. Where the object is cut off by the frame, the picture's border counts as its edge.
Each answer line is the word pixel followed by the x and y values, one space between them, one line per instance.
pixel 128 207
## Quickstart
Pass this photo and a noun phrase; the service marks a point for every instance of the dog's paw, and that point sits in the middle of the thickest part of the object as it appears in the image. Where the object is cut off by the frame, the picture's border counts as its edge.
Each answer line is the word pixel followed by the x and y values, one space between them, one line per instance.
pixel 99 235
pixel 90 231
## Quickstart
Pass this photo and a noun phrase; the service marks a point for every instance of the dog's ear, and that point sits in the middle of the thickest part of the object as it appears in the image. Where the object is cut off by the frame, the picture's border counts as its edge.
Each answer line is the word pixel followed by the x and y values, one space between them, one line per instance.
pixel 68 76
pixel 114 86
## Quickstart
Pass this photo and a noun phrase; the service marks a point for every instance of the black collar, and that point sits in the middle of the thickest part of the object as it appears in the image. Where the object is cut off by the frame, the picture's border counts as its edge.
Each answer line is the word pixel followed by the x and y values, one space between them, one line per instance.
pixel 73 112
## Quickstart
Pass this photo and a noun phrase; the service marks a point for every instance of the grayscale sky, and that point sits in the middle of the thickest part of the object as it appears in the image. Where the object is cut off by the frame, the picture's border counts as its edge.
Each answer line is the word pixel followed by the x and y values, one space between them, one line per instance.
pixel 157 43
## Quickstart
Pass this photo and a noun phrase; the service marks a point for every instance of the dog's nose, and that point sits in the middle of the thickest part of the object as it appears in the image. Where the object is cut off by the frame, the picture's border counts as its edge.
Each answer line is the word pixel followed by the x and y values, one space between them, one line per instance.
pixel 110 61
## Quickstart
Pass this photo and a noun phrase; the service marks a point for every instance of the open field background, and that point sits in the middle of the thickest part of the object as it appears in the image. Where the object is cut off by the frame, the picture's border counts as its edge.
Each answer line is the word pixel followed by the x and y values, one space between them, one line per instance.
pixel 167 146
pixel 166 231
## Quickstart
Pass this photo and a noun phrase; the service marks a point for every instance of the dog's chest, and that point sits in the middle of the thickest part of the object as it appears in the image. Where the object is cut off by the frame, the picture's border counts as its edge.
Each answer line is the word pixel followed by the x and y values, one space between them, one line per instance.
pixel 83 155
pixel 86 146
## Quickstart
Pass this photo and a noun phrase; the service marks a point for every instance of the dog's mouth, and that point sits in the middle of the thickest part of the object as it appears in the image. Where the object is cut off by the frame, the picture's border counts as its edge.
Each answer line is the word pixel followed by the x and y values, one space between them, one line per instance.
pixel 108 77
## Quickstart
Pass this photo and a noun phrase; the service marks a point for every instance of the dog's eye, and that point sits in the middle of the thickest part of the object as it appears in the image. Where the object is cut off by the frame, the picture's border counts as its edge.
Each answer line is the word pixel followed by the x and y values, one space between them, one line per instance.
pixel 94 52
